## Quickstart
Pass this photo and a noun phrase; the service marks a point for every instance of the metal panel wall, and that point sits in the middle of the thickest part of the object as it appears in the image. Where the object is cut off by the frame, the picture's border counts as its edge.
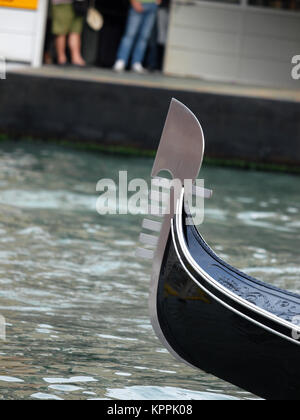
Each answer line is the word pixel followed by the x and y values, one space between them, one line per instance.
pixel 22 33
pixel 233 43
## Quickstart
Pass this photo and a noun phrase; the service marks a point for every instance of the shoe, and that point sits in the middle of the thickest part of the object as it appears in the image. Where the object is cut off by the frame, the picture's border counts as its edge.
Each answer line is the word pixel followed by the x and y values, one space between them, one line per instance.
pixel 119 66
pixel 138 68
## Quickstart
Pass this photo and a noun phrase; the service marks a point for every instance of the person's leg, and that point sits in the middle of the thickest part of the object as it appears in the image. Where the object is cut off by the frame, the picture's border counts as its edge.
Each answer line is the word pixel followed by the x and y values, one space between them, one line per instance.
pixel 60 45
pixel 151 58
pixel 75 49
pixel 132 27
pixel 74 41
pixel 145 32
pixel 60 28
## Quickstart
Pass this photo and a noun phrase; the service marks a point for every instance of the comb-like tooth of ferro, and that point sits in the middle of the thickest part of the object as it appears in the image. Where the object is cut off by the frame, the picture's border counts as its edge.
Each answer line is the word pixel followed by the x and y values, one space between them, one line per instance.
pixel 147 254
pixel 152 225
pixel 147 239
pixel 202 192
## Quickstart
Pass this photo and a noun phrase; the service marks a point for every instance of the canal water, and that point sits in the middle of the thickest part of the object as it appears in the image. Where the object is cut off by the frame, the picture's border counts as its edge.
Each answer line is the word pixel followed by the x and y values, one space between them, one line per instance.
pixel 74 295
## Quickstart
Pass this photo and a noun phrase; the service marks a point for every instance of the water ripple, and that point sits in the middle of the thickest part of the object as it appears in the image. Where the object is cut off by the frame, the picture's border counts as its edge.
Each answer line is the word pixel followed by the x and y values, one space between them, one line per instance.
pixel 75 297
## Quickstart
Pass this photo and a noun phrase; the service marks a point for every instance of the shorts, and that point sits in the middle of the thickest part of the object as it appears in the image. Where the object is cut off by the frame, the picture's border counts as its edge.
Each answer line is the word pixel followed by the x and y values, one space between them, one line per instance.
pixel 65 21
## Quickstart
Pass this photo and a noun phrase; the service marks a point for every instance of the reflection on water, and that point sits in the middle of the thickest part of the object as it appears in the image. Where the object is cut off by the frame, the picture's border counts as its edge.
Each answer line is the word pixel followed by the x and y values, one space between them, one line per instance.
pixel 75 297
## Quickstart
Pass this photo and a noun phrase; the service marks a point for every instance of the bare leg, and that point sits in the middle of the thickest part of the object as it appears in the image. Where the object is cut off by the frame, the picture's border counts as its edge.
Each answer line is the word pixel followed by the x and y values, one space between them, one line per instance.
pixel 60 44
pixel 75 48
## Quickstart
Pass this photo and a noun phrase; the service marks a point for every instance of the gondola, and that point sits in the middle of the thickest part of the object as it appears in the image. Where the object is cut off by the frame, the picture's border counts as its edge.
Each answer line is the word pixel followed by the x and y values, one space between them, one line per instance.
pixel 205 312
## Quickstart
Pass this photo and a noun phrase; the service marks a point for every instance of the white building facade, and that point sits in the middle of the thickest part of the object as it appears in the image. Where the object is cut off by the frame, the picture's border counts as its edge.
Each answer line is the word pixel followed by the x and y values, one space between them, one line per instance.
pixel 22 30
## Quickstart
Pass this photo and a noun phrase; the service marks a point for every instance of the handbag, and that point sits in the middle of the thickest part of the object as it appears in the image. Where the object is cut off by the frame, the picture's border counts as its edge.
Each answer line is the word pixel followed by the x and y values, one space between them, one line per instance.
pixel 80 7
pixel 94 17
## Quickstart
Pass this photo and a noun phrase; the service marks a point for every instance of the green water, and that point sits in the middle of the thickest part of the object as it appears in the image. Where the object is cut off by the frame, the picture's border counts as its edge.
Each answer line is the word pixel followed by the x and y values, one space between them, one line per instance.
pixel 73 294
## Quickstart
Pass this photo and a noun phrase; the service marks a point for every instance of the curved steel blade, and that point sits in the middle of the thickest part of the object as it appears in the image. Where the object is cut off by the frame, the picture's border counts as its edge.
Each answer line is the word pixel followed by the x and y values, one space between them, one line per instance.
pixel 180 152
pixel 181 147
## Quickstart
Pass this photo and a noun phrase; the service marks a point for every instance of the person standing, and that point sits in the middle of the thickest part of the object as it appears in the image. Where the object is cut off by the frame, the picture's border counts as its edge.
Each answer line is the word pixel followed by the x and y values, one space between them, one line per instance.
pixel 140 22
pixel 67 28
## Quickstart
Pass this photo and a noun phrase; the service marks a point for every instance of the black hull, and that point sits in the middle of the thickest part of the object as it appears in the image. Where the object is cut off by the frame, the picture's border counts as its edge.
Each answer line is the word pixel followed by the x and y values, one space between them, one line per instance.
pixel 207 313
pixel 220 335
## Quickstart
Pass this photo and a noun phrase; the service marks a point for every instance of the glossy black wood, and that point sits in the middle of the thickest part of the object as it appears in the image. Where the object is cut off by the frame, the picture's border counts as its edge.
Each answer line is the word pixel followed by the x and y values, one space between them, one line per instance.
pixel 281 303
pixel 217 339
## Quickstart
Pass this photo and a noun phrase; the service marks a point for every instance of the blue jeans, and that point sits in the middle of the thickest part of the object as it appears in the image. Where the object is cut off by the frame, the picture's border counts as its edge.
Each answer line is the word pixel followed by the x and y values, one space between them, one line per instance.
pixel 137 33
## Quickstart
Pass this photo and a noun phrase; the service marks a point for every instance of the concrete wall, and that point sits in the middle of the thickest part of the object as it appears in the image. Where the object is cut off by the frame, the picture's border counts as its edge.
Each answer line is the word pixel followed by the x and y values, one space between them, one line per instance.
pixel 232 42
pixel 255 130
